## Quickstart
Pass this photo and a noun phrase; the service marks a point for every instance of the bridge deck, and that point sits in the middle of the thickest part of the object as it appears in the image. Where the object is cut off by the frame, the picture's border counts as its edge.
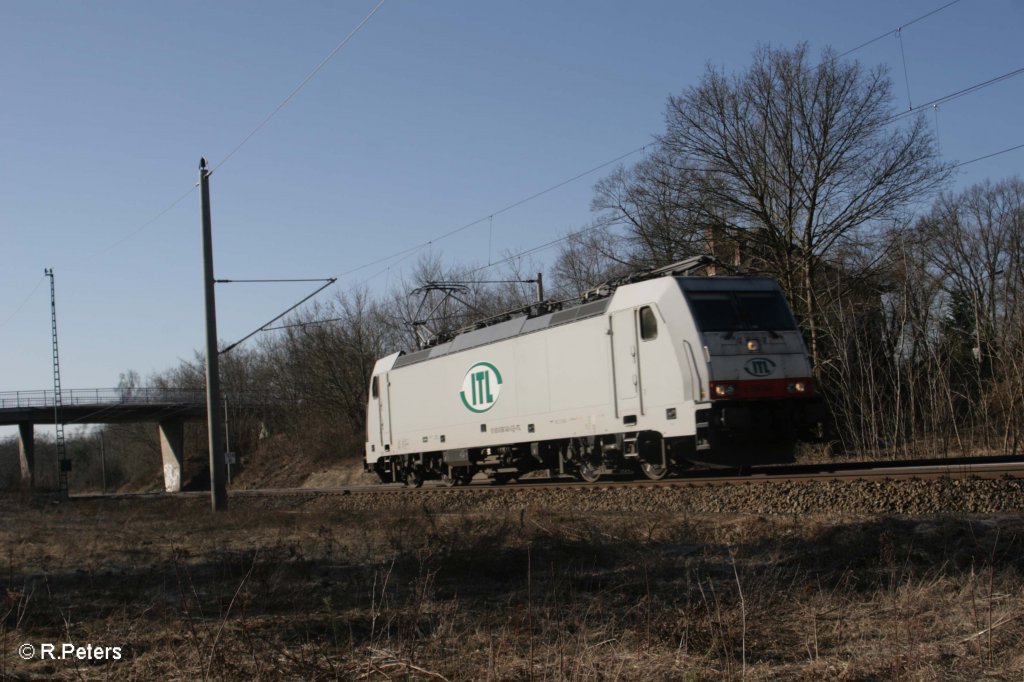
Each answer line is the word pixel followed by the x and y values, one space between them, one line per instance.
pixel 102 405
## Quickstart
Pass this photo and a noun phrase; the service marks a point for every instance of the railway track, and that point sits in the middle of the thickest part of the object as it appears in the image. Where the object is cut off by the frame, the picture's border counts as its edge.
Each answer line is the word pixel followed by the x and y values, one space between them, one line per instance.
pixel 1008 467
pixel 958 468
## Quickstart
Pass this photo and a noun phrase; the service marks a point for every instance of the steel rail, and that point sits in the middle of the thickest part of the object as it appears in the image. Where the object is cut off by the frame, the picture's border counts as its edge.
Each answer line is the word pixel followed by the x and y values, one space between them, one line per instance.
pixel 1002 467
pixel 959 468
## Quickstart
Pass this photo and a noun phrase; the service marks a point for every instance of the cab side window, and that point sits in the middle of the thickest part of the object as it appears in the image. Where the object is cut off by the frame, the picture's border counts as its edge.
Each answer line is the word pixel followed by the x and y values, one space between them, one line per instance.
pixel 648 324
pixel 374 388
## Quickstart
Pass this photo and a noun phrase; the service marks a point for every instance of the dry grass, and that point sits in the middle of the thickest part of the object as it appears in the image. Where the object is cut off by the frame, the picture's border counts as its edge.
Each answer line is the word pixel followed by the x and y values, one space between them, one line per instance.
pixel 291 589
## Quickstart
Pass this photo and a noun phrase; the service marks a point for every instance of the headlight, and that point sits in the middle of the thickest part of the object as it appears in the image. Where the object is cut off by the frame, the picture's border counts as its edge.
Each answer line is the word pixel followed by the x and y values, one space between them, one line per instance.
pixel 723 390
pixel 753 345
pixel 797 387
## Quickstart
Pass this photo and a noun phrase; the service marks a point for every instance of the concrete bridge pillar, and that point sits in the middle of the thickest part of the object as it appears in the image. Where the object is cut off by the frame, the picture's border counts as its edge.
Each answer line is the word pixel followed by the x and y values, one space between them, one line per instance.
pixel 172 447
pixel 27 453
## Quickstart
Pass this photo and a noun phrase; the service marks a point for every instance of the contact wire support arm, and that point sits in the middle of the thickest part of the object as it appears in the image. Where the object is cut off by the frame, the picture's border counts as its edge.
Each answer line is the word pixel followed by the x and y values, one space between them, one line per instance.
pixel 328 282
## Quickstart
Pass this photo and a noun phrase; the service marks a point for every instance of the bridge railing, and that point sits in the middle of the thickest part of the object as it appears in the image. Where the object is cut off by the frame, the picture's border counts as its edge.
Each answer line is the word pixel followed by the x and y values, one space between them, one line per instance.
pixel 102 396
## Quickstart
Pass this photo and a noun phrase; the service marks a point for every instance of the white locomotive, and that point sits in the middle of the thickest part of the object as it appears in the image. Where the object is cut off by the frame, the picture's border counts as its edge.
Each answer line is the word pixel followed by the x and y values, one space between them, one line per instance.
pixel 650 377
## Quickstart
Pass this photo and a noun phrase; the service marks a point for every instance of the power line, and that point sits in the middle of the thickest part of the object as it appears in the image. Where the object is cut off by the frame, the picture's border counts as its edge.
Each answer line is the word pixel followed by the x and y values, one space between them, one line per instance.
pixel 989 156
pixel 959 93
pixel 311 323
pixel 483 281
pixel 252 133
pixel 404 253
pixel 608 222
pixel 515 204
pixel 23 304
pixel 490 216
pixel 946 98
pixel 536 249
pixel 314 72
pixel 152 220
pixel 901 26
pixel 940 100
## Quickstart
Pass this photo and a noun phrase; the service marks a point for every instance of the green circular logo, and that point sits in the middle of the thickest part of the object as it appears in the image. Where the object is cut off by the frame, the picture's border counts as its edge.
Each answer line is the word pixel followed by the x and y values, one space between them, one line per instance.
pixel 759 367
pixel 480 387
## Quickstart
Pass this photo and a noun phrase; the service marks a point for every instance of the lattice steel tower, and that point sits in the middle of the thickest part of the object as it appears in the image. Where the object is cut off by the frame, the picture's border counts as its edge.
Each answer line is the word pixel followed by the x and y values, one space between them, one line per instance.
pixel 63 464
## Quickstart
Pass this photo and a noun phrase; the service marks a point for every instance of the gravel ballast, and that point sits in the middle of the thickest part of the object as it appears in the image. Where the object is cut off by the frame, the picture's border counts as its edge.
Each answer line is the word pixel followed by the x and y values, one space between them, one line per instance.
pixel 901 497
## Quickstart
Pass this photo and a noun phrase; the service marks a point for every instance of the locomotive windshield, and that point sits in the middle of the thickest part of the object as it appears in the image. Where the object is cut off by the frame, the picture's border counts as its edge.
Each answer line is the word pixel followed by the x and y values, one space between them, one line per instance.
pixel 733 311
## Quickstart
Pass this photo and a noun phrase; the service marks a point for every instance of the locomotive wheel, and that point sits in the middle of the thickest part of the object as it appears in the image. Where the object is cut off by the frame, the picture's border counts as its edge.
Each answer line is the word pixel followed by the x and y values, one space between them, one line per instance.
pixel 454 476
pixel 588 472
pixel 413 477
pixel 655 472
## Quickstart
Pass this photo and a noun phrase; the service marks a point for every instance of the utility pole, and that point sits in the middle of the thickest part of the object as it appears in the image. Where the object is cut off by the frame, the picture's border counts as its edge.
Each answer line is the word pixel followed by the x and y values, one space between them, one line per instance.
pixel 218 469
pixel 227 438
pixel 540 287
pixel 63 463
pixel 103 463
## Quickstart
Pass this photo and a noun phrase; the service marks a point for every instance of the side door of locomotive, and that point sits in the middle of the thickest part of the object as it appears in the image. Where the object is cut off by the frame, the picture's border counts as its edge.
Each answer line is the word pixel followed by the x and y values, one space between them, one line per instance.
pixel 380 392
pixel 622 328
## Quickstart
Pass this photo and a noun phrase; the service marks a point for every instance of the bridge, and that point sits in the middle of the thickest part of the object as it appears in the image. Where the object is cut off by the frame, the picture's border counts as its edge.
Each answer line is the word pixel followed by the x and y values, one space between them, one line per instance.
pixel 168 408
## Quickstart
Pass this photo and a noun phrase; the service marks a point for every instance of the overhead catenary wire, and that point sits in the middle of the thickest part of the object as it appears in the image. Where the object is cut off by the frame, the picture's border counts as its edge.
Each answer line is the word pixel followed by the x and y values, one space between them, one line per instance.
pixel 339 47
pixel 989 156
pixel 25 302
pixel 152 220
pixel 958 94
pixel 484 281
pixel 409 251
pixel 945 98
pixel 490 216
pixel 300 86
pixel 609 223
pixel 406 252
pixel 311 323
pixel 508 259
pixel 901 26
pixel 526 252
pixel 254 131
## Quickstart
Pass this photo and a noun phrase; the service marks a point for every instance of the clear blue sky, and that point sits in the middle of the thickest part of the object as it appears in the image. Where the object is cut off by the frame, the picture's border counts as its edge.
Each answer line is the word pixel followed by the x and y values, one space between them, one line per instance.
pixel 436 114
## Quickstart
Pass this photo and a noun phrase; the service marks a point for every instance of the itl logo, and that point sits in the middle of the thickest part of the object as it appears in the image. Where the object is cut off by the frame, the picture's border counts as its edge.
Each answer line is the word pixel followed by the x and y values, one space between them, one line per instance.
pixel 759 367
pixel 481 387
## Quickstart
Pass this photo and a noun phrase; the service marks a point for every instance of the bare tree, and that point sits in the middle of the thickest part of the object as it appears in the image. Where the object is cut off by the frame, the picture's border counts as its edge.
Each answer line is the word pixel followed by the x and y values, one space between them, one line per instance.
pixel 325 357
pixel 790 159
pixel 587 258
pixel 662 206
pixel 974 242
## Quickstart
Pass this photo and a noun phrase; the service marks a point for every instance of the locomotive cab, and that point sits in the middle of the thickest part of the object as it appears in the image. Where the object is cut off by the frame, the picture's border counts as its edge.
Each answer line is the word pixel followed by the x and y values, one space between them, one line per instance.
pixel 760 386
